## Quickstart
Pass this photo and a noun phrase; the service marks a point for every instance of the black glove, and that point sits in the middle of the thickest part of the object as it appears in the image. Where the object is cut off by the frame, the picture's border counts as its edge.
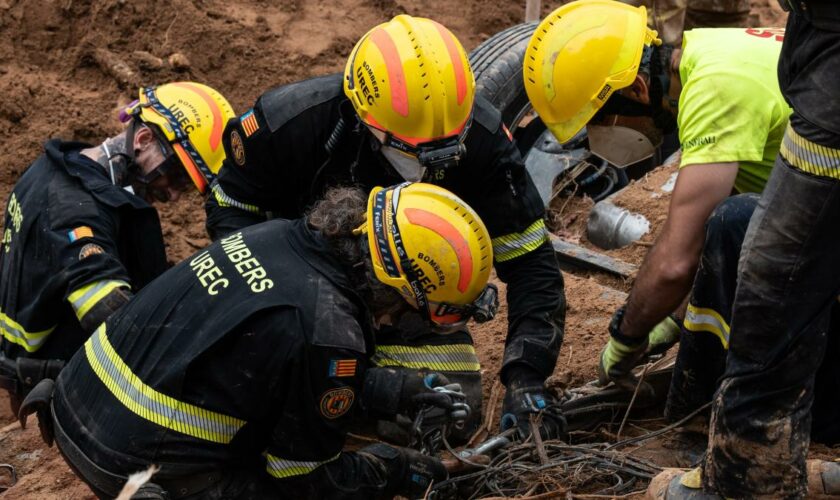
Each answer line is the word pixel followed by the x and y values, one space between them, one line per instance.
pixel 391 391
pixel 408 473
pixel 526 396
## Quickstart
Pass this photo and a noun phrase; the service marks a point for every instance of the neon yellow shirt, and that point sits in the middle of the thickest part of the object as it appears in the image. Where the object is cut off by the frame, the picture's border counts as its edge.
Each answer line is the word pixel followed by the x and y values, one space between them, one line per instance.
pixel 730 107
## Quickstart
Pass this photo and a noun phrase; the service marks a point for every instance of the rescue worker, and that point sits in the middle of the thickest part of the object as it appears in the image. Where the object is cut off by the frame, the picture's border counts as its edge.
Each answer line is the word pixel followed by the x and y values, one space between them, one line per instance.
pixel 79 236
pixel 406 109
pixel 238 371
pixel 731 120
pixel 788 285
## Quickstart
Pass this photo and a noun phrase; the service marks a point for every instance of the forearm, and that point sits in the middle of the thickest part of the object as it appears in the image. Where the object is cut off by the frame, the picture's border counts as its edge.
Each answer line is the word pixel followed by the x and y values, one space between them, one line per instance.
pixel 661 288
pixel 352 476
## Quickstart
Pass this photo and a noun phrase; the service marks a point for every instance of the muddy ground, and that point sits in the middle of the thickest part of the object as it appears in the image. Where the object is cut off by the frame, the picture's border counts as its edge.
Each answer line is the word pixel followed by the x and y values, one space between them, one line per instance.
pixel 55 82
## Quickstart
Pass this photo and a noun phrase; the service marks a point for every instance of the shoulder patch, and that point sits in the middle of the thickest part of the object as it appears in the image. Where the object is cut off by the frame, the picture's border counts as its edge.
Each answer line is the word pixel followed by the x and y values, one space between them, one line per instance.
pixel 486 115
pixel 237 148
pixel 342 368
pixel 249 124
pixel 79 233
pixel 281 104
pixel 90 249
pixel 337 402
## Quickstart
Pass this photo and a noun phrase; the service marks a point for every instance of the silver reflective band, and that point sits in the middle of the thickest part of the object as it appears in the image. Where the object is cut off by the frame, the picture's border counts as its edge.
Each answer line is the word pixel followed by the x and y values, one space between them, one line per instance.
pixel 282 468
pixel 150 404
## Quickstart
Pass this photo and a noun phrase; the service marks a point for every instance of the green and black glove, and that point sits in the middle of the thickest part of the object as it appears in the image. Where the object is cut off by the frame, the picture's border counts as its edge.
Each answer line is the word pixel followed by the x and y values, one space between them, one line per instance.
pixel 621 355
pixel 664 335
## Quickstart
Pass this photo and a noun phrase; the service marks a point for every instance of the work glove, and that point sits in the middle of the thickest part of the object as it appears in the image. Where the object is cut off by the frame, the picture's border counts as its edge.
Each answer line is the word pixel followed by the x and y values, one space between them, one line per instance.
pixel 526 396
pixel 663 335
pixel 407 472
pixel 620 355
pixel 391 391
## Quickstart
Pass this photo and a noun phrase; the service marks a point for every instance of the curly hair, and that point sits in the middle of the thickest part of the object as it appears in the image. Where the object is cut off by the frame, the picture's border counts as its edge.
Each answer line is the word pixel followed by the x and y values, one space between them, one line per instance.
pixel 335 216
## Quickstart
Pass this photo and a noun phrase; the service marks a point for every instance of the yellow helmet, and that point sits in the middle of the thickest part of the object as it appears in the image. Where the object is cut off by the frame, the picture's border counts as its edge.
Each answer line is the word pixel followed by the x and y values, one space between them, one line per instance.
pixel 432 247
pixel 411 78
pixel 191 117
pixel 578 56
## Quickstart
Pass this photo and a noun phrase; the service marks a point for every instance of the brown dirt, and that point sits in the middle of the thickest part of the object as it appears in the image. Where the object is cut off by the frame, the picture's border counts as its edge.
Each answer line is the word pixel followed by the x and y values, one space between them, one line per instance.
pixel 52 84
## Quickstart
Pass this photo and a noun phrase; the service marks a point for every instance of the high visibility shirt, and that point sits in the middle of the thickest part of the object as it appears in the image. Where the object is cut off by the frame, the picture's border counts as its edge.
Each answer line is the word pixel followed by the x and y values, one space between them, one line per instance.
pixel 69 238
pixel 251 353
pixel 284 153
pixel 730 107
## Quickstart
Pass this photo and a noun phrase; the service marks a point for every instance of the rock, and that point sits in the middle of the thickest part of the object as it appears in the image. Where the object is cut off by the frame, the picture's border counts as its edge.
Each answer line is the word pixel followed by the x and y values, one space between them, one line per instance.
pixel 179 62
pixel 147 60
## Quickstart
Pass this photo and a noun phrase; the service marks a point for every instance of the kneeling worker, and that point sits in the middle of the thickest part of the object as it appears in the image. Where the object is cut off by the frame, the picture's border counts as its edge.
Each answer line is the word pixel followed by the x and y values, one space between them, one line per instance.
pixel 78 236
pixel 239 370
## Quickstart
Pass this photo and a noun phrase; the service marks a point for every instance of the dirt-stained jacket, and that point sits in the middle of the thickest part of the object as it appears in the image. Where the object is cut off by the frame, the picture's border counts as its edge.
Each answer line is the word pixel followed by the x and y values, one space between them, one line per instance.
pixel 247 356
pixel 302 138
pixel 70 237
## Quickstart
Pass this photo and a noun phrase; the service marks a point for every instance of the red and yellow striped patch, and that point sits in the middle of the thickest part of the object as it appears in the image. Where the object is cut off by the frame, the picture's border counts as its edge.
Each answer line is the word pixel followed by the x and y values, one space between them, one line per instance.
pixel 249 123
pixel 342 367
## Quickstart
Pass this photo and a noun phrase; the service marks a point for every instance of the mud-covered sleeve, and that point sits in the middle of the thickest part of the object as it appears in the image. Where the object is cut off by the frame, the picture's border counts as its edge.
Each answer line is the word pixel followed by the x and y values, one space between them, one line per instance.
pixel 507 201
pixel 320 400
pixel 89 273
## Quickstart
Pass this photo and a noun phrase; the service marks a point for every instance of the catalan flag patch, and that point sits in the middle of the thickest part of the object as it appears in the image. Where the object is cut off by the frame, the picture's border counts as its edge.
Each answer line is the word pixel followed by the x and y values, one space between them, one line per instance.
pixel 342 367
pixel 249 123
pixel 79 233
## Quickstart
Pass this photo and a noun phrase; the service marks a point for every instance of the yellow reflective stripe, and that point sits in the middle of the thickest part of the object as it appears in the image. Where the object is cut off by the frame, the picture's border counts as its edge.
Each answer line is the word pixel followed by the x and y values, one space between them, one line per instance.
pixel 150 404
pixel 84 298
pixel 452 358
pixel 224 200
pixel 16 334
pixel 282 468
pixel 513 245
pixel 701 319
pixel 809 156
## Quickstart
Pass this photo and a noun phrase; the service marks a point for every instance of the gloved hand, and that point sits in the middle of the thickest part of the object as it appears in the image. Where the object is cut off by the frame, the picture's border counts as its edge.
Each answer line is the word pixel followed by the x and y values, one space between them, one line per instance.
pixel 391 391
pixel 663 335
pixel 526 396
pixel 407 472
pixel 620 355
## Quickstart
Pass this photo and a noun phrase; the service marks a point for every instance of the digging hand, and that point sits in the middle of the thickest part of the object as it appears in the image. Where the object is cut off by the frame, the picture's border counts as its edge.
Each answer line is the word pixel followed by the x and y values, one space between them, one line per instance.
pixel 407 472
pixel 620 355
pixel 391 391
pixel 664 335
pixel 526 396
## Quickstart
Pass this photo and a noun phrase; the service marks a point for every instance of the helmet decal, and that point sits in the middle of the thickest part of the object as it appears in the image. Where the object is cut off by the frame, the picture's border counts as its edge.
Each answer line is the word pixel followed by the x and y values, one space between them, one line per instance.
pixel 396 75
pixel 219 123
pixel 457 67
pixel 447 231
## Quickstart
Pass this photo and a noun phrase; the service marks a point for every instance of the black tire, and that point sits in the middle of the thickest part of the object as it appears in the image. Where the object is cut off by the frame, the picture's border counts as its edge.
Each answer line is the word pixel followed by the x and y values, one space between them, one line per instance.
pixel 497 65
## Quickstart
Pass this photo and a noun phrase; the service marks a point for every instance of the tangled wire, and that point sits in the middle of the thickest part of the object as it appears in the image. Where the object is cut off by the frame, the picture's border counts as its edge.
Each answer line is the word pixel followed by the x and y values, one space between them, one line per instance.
pixel 586 468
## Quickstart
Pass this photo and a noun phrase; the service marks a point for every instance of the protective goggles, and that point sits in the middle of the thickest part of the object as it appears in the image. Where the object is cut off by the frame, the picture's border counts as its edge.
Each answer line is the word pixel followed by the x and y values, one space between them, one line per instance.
pixel 181 144
pixel 482 309
pixel 434 155
pixel 170 167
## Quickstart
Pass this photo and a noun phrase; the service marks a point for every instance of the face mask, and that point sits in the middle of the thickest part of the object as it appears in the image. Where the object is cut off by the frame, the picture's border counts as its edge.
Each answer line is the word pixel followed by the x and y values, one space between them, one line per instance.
pixel 407 166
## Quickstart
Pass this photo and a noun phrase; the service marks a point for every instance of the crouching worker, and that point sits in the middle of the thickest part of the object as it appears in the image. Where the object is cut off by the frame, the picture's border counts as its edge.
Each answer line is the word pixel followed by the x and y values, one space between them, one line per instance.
pixel 79 238
pixel 238 371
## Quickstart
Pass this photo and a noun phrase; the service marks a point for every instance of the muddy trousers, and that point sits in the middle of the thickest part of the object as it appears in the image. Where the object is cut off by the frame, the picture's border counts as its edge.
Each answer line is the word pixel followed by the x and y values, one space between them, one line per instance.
pixel 452 355
pixel 704 338
pixel 789 279
pixel 672 17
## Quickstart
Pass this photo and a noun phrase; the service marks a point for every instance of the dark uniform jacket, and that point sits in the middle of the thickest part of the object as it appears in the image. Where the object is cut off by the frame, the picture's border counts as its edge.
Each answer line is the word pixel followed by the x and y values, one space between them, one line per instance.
pixel 301 138
pixel 70 237
pixel 247 357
